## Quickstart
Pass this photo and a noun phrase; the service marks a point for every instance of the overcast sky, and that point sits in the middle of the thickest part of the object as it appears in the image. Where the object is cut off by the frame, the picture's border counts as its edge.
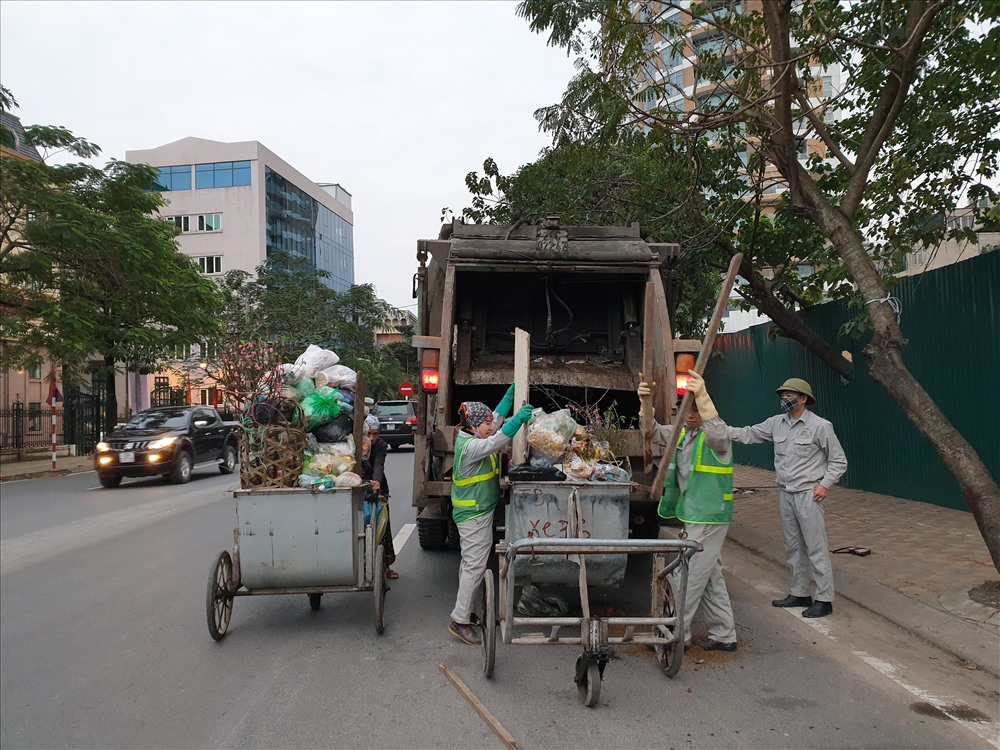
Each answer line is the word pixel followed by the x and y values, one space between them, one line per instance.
pixel 396 101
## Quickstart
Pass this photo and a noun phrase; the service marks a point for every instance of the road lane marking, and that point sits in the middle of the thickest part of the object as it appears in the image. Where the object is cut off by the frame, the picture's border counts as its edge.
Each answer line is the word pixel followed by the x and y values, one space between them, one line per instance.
pixel 20 551
pixel 402 535
pixel 987 730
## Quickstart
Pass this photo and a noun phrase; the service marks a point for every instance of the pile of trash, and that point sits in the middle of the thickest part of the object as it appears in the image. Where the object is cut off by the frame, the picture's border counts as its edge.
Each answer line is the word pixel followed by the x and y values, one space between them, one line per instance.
pixel 324 389
pixel 556 441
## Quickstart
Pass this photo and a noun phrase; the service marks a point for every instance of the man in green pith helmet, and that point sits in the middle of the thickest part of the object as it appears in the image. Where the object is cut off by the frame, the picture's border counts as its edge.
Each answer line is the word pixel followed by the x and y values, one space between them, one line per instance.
pixel 808 461
pixel 698 490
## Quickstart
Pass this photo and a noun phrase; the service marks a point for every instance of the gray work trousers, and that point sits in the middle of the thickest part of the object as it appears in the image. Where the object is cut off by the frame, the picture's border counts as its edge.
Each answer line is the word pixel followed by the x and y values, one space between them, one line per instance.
pixel 477 541
pixel 807 551
pixel 706 587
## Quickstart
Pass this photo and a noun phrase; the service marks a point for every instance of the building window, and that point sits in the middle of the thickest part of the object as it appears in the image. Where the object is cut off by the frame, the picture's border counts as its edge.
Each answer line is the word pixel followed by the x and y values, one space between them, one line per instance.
pixel 182 351
pixel 173 178
pixel 827 87
pixel 210 263
pixel 181 222
pixel 209 222
pixel 35 371
pixel 209 350
pixel 35 416
pixel 222 174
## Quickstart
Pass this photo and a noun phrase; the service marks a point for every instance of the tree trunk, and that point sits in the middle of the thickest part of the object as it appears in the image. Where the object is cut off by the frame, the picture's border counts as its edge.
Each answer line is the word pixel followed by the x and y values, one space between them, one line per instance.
pixel 110 396
pixel 888 369
pixel 793 326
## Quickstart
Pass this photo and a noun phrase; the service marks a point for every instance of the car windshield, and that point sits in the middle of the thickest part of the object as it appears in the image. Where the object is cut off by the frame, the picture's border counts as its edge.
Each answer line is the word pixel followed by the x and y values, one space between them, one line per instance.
pixel 392 410
pixel 155 419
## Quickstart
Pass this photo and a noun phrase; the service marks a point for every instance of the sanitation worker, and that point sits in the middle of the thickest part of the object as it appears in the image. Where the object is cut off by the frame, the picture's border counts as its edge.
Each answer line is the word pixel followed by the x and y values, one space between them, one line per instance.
pixel 475 490
pixel 373 470
pixel 698 490
pixel 808 461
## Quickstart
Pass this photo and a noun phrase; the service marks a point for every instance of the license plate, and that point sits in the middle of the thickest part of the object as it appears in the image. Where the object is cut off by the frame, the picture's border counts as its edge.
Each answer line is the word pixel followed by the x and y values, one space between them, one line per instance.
pixel 390 427
pixel 126 458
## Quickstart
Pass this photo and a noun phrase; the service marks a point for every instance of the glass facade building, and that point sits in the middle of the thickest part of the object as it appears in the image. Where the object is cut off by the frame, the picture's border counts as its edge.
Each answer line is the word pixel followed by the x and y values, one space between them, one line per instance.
pixel 301 226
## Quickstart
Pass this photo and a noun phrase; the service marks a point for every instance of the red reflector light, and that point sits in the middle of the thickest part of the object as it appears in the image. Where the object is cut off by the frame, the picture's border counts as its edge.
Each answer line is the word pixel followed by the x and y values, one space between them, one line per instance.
pixel 682 384
pixel 429 380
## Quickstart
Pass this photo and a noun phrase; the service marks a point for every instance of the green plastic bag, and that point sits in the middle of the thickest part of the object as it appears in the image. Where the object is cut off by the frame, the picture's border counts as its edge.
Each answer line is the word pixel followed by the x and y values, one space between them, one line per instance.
pixel 304 388
pixel 321 406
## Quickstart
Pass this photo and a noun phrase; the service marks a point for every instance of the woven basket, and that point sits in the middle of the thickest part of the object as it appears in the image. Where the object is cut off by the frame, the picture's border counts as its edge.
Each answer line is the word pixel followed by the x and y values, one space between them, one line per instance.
pixel 272 452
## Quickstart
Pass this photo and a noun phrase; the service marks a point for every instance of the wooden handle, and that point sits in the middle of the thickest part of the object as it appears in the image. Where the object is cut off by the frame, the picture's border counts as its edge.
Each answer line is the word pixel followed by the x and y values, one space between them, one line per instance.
pixel 646 415
pixel 699 367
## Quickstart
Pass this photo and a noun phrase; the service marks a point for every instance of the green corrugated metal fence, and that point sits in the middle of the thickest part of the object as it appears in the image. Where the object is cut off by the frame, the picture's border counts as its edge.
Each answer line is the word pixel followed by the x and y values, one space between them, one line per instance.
pixel 951 317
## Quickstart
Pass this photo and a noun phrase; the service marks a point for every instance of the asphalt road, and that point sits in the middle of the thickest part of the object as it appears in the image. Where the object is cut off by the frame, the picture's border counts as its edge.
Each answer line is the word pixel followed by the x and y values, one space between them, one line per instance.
pixel 103 643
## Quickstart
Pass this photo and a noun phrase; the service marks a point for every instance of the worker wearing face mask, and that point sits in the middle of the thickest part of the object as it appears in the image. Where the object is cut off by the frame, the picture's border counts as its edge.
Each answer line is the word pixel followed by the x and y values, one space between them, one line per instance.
pixel 808 461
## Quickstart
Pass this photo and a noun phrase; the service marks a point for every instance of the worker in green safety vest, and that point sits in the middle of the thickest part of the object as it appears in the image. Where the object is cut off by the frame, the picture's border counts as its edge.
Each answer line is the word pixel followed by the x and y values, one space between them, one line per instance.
pixel 475 490
pixel 698 491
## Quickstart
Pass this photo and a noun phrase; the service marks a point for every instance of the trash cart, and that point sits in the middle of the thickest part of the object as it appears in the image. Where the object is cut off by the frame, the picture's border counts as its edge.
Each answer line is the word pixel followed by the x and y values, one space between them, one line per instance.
pixel 297 541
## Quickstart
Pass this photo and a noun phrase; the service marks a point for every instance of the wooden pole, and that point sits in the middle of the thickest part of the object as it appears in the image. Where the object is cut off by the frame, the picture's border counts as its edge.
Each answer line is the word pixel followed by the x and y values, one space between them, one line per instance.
pixel 477 705
pixel 646 414
pixel 699 367
pixel 522 372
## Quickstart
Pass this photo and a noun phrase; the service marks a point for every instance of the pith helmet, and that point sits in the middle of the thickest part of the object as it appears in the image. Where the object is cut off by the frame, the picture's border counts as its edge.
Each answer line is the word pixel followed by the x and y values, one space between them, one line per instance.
pixel 798 385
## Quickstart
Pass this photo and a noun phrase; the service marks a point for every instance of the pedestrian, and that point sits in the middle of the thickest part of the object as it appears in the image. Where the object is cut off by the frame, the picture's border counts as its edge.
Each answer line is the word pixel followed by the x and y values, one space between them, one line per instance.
pixel 698 491
pixel 373 471
pixel 808 461
pixel 475 490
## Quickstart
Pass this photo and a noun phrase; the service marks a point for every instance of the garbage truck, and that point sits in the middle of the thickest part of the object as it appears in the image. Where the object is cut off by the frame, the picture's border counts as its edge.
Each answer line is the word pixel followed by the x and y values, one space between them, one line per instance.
pixel 594 302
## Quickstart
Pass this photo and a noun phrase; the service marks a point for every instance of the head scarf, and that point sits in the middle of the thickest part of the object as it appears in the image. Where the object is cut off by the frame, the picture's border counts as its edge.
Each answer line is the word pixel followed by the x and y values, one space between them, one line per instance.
pixel 474 413
pixel 371 423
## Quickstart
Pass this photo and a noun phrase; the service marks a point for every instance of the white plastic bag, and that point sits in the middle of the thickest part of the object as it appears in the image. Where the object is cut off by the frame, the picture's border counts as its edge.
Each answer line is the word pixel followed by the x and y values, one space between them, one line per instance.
pixel 340 376
pixel 314 359
pixel 549 435
pixel 348 479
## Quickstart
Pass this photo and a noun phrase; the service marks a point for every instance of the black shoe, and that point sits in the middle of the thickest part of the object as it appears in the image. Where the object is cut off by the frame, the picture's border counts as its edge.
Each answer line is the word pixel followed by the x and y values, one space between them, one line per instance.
pixel 465 633
pixel 819 609
pixel 792 601
pixel 715 645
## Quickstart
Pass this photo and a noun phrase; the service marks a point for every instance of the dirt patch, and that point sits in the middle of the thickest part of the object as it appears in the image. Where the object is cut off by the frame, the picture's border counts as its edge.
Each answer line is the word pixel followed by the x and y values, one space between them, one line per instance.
pixel 955 710
pixel 987 593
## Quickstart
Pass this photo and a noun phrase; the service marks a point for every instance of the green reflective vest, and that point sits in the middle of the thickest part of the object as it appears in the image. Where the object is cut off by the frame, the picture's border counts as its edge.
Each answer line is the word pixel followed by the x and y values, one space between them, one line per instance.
pixel 474 492
pixel 708 493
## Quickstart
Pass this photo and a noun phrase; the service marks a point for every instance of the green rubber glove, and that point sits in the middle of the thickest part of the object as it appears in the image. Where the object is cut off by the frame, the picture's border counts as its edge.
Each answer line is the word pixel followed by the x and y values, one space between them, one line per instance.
pixel 512 425
pixel 506 403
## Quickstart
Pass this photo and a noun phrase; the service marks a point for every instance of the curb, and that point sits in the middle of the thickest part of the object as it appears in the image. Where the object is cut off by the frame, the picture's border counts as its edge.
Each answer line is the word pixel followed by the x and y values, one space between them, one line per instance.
pixel 953 635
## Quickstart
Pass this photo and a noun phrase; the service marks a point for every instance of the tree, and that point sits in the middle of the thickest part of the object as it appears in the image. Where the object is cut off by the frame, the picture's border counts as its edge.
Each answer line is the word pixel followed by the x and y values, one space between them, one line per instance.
pixel 88 269
pixel 274 315
pixel 912 133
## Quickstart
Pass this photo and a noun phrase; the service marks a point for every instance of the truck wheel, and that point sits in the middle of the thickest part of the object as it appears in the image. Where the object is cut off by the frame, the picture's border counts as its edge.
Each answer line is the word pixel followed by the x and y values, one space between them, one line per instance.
pixel 433 533
pixel 109 481
pixel 228 463
pixel 182 468
pixel 453 540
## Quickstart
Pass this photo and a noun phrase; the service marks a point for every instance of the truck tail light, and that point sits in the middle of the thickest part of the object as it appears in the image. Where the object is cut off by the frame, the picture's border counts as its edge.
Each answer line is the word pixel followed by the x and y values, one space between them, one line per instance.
pixel 430 360
pixel 683 364
pixel 429 380
pixel 411 420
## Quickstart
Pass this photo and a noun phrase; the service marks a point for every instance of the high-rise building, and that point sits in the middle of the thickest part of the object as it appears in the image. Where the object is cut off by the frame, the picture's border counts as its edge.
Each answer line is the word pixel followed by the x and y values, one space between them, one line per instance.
pixel 238 203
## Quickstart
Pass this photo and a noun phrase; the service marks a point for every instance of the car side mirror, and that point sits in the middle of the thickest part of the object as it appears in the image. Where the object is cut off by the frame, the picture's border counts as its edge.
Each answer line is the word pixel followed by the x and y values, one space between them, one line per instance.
pixel 201 423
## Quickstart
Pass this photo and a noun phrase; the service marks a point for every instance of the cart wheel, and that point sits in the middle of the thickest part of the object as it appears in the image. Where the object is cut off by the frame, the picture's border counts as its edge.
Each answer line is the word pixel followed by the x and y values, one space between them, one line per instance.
pixel 671 655
pixel 489 624
pixel 219 601
pixel 378 584
pixel 314 600
pixel 588 682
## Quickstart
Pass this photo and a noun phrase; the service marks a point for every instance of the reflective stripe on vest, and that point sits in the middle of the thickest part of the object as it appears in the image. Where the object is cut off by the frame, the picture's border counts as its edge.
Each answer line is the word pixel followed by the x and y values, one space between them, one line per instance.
pixel 495 471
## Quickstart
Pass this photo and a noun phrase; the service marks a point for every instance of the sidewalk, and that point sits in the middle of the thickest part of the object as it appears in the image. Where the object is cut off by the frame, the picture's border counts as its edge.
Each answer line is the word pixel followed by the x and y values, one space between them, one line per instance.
pixel 925 560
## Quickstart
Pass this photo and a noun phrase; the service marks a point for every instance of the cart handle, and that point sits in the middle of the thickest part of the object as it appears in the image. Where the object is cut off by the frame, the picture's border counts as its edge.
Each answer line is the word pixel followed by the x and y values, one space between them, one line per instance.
pixel 683 547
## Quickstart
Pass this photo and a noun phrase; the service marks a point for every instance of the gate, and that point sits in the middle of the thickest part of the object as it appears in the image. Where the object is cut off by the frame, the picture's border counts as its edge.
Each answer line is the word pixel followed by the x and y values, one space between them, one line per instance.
pixel 82 422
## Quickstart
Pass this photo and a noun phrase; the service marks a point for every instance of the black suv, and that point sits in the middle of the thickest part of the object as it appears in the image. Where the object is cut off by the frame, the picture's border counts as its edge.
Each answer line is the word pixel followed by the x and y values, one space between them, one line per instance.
pixel 397 422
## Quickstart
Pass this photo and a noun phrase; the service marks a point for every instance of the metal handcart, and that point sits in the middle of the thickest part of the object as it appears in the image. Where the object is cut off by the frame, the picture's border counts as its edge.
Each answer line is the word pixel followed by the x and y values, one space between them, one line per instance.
pixel 574 510
pixel 297 541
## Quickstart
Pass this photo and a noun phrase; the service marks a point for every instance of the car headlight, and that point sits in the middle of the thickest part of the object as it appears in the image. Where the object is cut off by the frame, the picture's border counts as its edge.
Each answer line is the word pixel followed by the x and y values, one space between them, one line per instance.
pixel 103 447
pixel 162 443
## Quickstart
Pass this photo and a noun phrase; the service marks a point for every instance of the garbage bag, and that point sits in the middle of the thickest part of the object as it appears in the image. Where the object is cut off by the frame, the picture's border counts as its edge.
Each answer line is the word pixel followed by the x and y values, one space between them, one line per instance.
pixel 348 479
pixel 320 407
pixel 314 359
pixel 549 435
pixel 340 376
pixel 336 430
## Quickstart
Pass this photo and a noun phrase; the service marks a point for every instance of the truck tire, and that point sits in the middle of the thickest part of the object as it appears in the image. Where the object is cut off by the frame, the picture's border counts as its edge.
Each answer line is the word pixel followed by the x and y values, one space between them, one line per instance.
pixel 183 465
pixel 453 541
pixel 228 462
pixel 433 533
